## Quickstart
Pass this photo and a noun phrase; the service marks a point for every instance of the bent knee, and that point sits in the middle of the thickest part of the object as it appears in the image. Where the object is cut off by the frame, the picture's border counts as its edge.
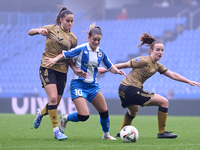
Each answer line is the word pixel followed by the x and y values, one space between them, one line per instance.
pixel 133 110
pixel 53 100
pixel 165 103
pixel 83 118
pixel 133 113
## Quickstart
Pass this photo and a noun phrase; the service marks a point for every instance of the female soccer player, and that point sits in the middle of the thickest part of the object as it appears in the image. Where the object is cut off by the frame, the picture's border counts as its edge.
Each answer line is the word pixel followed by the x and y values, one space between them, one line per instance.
pixel 87 57
pixel 131 90
pixel 58 37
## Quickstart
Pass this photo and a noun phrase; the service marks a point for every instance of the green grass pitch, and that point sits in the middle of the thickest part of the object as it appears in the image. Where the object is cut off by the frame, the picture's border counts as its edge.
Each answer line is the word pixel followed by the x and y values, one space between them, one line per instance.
pixel 17 133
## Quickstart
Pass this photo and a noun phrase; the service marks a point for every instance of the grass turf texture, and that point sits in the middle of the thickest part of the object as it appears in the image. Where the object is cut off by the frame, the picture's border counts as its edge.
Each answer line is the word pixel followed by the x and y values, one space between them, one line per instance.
pixel 17 132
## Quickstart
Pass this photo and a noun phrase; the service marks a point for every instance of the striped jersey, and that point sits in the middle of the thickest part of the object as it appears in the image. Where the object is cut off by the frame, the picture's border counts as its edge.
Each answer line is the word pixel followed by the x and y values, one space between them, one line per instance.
pixel 88 60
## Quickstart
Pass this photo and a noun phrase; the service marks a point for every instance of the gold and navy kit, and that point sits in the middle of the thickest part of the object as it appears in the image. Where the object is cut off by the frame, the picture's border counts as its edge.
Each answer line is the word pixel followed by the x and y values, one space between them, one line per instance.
pixel 131 88
pixel 142 69
pixel 58 40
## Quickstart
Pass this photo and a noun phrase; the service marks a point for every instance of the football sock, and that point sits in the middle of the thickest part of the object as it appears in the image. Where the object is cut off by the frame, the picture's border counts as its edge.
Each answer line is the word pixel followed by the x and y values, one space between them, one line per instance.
pixel 44 111
pixel 162 118
pixel 127 120
pixel 53 114
pixel 55 129
pixel 73 117
pixel 105 133
pixel 105 123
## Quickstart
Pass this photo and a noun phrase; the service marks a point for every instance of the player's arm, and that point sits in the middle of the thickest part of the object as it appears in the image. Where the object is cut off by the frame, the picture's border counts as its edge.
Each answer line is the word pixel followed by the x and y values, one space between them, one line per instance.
pixel 133 63
pixel 41 31
pixel 178 77
pixel 123 65
pixel 51 61
pixel 77 71
pixel 102 70
pixel 116 71
pixel 65 55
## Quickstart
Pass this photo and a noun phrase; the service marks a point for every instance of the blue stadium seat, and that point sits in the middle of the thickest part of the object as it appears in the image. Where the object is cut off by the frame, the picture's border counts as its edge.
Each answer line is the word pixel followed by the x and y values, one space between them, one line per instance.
pixel 120 39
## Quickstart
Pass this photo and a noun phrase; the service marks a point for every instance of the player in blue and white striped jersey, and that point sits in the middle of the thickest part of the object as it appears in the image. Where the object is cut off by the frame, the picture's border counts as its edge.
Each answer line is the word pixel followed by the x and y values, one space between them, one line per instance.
pixel 87 57
pixel 88 60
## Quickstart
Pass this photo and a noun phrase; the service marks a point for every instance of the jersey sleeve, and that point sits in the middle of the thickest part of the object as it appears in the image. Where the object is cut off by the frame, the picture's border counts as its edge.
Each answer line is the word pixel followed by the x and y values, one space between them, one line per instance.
pixel 48 27
pixel 106 62
pixel 161 68
pixel 73 53
pixel 137 62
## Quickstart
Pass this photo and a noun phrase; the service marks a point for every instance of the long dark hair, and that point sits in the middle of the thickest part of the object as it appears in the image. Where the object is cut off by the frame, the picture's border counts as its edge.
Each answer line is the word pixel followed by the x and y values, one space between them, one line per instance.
pixel 148 39
pixel 64 11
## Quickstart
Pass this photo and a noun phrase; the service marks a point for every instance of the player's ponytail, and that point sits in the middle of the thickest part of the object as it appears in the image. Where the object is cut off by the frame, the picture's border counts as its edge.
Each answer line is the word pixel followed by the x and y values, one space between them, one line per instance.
pixel 94 30
pixel 147 39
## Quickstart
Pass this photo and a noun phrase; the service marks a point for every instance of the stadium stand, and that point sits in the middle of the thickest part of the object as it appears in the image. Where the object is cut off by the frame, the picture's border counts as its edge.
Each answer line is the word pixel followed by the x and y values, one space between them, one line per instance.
pixel 21 54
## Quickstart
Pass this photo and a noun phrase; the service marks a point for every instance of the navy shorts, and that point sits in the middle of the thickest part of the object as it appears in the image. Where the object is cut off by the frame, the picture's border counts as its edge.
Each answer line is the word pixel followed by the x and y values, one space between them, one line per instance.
pixel 130 95
pixel 79 88
pixel 49 76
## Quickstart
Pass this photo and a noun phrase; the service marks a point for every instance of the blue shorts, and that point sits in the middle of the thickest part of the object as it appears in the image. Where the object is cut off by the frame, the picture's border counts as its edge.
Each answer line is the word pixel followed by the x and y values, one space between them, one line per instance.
pixel 79 88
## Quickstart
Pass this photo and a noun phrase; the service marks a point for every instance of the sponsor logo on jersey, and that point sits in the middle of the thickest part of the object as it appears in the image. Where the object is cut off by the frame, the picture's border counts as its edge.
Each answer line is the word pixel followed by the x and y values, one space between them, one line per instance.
pixel 91 64
pixel 137 59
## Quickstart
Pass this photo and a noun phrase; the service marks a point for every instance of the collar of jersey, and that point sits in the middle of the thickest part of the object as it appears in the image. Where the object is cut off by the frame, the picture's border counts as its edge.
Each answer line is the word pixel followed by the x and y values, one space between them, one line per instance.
pixel 89 48
pixel 65 31
pixel 151 59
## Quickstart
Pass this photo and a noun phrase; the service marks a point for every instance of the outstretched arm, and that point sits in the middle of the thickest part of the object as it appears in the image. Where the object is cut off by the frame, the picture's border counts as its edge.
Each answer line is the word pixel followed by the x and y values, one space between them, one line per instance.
pixel 178 77
pixel 123 65
pixel 116 71
pixel 78 72
pixel 102 70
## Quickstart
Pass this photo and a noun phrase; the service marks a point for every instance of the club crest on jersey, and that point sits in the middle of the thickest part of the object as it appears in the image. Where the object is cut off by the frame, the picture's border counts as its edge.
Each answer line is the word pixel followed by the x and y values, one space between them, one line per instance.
pixel 137 59
pixel 100 54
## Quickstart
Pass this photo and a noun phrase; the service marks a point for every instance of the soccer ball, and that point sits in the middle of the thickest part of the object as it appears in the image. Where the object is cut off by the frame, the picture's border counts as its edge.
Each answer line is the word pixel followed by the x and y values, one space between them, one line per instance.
pixel 129 134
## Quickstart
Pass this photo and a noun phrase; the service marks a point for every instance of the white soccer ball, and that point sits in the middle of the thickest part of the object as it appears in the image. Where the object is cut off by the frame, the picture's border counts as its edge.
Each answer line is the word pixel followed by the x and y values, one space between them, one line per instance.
pixel 129 134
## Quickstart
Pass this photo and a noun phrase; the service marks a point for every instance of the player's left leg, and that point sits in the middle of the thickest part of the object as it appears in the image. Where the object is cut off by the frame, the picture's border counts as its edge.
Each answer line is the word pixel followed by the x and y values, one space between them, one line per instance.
pixel 99 103
pixel 129 116
pixel 82 113
pixel 43 112
pixel 51 90
pixel 163 104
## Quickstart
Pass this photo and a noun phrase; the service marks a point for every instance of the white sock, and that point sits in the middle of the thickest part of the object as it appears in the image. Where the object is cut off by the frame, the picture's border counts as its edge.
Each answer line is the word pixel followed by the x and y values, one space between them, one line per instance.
pixel 105 133
pixel 65 116
pixel 56 128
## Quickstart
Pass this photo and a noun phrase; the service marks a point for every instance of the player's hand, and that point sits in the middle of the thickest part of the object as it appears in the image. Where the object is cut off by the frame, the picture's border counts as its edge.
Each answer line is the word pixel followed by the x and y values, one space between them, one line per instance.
pixel 81 73
pixel 193 83
pixel 43 32
pixel 121 72
pixel 49 61
pixel 101 70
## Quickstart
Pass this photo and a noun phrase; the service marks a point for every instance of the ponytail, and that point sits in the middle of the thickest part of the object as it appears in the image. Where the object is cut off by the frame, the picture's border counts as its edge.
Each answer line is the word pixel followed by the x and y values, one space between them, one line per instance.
pixel 147 39
pixel 94 30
